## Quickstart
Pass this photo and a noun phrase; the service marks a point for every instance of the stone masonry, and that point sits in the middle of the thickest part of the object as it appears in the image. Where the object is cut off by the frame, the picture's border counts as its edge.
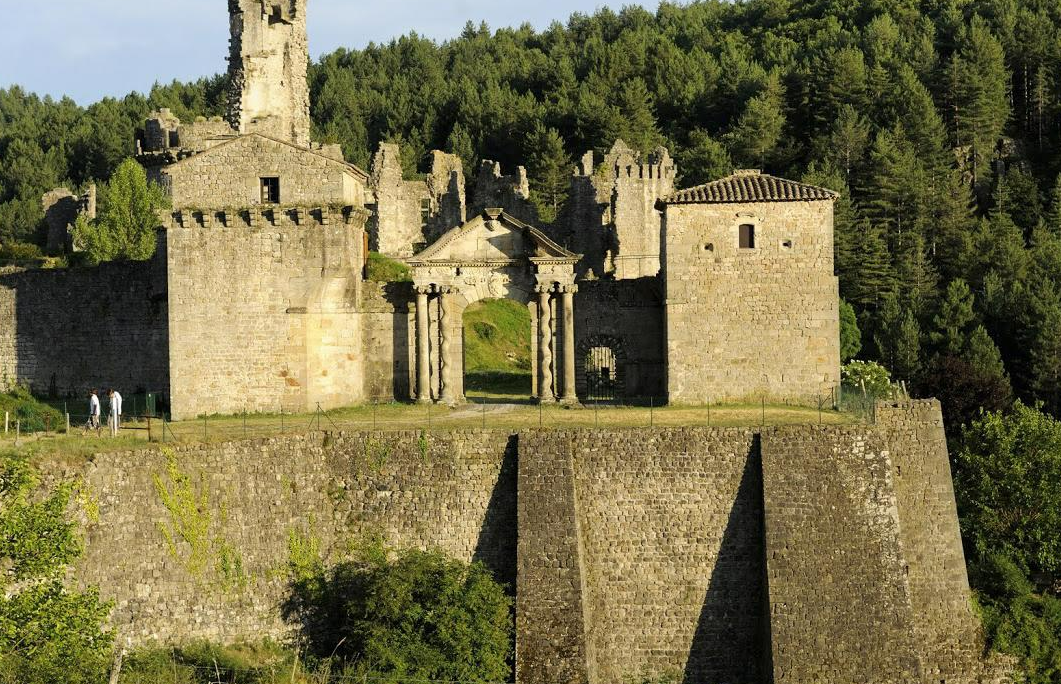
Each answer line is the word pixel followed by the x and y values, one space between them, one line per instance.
pixel 751 299
pixel 718 555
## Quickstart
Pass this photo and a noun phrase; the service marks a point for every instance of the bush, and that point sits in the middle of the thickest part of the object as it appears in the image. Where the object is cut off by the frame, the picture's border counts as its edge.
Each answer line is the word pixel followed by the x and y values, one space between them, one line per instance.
pixel 48 634
pixel 20 251
pixel 871 376
pixel 414 615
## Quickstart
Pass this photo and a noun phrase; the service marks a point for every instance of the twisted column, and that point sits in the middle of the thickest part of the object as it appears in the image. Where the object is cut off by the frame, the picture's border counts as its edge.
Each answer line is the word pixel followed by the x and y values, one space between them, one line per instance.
pixel 545 346
pixel 423 348
pixel 570 396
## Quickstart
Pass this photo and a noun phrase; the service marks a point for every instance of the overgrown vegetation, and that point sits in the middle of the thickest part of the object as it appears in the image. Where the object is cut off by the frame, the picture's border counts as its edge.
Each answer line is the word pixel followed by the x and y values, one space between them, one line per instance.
pixel 48 634
pixel 31 414
pixel 405 616
pixel 1008 472
pixel 383 269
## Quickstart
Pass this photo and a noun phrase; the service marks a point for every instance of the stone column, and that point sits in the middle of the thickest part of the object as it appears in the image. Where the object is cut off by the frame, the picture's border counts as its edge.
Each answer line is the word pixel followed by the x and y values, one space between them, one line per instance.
pixel 570 396
pixel 450 365
pixel 545 346
pixel 423 348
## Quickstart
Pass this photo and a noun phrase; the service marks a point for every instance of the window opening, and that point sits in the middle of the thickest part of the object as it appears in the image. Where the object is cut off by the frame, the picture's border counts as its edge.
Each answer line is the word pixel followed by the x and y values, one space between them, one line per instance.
pixel 270 191
pixel 747 236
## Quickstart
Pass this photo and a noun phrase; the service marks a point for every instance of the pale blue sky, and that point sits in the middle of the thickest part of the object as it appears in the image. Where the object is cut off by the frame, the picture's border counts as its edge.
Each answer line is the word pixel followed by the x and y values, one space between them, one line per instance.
pixel 88 49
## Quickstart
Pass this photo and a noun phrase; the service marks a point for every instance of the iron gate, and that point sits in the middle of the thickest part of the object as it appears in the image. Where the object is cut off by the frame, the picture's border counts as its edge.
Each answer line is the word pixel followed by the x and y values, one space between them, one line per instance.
pixel 602 375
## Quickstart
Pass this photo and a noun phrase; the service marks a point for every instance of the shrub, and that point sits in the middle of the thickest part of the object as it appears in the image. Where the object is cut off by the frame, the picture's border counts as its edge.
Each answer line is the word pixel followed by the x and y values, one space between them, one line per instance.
pixel 48 634
pixel 415 615
pixel 20 251
pixel 33 415
pixel 869 375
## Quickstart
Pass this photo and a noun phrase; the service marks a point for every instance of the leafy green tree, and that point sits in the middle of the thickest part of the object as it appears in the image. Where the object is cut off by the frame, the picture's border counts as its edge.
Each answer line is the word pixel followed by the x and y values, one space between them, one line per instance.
pixel 129 208
pixel 982 89
pixel 1008 470
pixel 898 340
pixel 704 159
pixel 48 633
pixel 549 169
pixel 850 335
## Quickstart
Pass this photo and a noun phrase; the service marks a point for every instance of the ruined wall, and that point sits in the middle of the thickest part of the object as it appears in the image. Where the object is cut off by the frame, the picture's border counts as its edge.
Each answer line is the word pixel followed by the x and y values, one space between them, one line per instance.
pixel 268 60
pixel 743 323
pixel 409 214
pixel 494 190
pixel 263 310
pixel 67 331
pixel 457 496
pixel 611 215
pixel 625 316
pixel 229 175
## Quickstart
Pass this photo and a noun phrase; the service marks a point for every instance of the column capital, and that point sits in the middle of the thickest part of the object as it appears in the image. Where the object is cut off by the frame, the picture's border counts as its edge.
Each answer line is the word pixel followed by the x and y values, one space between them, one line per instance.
pixel 545 288
pixel 569 289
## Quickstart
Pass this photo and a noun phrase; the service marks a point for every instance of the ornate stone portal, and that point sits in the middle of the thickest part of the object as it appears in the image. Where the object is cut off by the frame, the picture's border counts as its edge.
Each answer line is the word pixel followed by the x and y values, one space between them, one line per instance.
pixel 494 256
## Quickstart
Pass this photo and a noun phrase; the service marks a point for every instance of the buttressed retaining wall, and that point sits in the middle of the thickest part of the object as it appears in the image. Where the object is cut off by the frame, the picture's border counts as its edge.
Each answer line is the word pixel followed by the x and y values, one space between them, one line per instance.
pixel 800 554
pixel 71 330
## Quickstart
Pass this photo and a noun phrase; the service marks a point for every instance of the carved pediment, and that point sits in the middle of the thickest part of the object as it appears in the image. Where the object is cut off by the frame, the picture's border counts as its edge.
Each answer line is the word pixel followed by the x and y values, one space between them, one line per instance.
pixel 493 237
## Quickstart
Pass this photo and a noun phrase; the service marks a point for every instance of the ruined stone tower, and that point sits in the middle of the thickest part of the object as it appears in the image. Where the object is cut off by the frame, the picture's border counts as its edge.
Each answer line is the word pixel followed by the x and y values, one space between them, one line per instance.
pixel 268 59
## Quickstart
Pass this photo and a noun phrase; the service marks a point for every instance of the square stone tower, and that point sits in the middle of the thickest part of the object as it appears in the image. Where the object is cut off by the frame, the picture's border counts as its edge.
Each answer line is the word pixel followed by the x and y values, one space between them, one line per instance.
pixel 268 60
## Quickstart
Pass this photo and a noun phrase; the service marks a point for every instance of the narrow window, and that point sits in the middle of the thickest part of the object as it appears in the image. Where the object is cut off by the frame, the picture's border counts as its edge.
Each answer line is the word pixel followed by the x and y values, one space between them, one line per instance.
pixel 270 191
pixel 425 211
pixel 747 236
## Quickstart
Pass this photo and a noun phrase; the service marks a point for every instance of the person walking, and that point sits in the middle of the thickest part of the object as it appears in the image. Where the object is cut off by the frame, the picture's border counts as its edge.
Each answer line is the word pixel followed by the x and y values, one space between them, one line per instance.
pixel 93 412
pixel 112 418
pixel 118 416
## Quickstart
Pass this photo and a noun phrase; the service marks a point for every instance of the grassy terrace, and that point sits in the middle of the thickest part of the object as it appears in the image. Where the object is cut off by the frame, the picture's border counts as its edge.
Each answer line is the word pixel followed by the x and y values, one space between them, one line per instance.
pixel 393 417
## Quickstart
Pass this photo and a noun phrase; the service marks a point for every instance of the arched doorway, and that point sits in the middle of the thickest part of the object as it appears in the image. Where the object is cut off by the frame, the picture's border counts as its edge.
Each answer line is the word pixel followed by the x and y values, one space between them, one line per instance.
pixel 601 368
pixel 498 365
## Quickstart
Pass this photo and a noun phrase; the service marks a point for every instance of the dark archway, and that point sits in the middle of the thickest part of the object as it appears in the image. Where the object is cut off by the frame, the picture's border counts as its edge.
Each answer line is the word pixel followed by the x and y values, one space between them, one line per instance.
pixel 498 365
pixel 601 367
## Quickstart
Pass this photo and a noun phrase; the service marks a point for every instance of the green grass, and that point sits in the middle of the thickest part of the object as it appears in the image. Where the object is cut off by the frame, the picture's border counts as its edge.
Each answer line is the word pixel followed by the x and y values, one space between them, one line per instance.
pixel 383 269
pixel 497 349
pixel 31 414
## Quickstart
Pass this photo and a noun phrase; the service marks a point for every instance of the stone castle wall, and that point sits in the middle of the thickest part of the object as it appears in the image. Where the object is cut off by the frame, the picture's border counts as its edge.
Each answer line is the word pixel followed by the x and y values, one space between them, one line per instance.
pixel 68 331
pixel 715 554
pixel 230 175
pixel 279 326
pixel 744 323
pixel 456 495
pixel 625 316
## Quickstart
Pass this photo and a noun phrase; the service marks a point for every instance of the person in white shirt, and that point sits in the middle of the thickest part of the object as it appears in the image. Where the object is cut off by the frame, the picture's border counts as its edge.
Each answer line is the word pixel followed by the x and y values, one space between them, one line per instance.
pixel 112 418
pixel 93 412
pixel 118 420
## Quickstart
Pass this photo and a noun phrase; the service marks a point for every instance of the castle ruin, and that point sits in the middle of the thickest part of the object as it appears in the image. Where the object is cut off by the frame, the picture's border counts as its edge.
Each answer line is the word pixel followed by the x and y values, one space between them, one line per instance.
pixel 805 555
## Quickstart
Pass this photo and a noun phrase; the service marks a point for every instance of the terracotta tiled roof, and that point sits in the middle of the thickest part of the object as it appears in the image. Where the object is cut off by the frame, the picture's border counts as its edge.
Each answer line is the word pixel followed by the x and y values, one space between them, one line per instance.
pixel 749 186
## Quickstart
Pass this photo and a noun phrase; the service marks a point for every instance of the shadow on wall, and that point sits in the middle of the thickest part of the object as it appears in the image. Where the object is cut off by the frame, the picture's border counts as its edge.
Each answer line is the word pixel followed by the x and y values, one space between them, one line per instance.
pixel 496 547
pixel 731 642
pixel 400 295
